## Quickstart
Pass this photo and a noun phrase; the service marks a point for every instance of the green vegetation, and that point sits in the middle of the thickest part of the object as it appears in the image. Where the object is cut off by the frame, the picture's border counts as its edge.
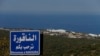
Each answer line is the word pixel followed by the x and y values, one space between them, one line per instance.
pixel 61 46
pixel 4 43
pixel 58 46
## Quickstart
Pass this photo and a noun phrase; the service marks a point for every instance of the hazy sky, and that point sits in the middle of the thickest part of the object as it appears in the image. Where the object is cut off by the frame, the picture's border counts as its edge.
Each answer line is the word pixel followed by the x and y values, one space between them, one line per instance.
pixel 46 6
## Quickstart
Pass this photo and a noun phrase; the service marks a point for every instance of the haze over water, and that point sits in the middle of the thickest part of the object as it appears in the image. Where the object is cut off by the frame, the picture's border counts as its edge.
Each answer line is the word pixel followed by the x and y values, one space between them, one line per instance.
pixel 78 23
pixel 74 15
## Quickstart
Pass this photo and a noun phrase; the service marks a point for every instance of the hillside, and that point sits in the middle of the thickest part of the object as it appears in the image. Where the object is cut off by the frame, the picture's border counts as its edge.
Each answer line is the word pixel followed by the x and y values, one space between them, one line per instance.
pixel 61 46
pixel 58 46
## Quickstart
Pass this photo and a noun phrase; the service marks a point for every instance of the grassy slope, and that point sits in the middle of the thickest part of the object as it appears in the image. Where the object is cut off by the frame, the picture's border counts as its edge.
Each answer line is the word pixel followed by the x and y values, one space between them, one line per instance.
pixel 61 46
pixel 58 46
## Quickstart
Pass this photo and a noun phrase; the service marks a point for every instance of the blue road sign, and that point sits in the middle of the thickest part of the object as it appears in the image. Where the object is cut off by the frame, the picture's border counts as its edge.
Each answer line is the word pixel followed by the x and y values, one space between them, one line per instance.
pixel 25 42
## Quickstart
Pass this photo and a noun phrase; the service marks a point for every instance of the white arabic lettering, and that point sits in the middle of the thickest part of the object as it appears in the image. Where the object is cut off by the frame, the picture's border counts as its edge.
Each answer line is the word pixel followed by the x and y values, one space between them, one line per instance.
pixel 24 38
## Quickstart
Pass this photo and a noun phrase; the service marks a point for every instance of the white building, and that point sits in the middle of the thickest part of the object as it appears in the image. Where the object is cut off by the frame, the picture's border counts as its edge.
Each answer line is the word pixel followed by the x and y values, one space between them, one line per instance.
pixel 93 35
pixel 57 30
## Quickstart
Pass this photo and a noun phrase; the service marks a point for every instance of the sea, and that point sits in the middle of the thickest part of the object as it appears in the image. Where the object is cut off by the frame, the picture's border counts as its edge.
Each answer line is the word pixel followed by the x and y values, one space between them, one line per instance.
pixel 85 23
